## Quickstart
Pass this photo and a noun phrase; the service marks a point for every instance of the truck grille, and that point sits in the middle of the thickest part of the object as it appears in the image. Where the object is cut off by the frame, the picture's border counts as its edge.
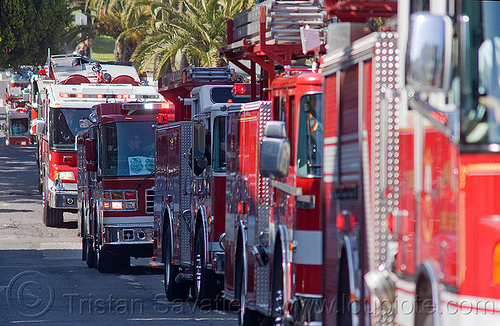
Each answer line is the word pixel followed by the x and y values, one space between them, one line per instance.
pixel 150 201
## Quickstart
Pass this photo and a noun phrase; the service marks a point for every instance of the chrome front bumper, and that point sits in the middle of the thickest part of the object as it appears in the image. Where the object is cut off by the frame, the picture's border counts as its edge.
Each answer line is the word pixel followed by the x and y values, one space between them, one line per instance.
pixel 63 199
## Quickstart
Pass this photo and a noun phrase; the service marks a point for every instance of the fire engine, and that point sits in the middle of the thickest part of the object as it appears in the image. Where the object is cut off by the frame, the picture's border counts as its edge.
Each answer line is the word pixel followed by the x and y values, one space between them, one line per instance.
pixel 411 167
pixel 115 183
pixel 65 97
pixel 361 98
pixel 273 235
pixel 17 119
pixel 17 115
pixel 191 181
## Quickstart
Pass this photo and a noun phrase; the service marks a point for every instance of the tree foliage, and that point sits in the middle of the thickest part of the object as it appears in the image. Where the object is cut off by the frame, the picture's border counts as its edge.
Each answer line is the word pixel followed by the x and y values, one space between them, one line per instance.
pixel 29 27
pixel 118 16
pixel 191 29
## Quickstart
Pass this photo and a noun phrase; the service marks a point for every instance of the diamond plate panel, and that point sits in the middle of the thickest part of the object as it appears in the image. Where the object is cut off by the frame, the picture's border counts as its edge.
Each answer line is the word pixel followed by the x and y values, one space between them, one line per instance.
pixel 263 273
pixel 185 135
pixel 386 149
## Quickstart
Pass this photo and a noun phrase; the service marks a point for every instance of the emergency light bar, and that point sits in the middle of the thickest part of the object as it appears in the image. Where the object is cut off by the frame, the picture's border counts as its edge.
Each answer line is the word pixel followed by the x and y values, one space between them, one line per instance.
pixel 147 106
pixel 241 89
pixel 117 96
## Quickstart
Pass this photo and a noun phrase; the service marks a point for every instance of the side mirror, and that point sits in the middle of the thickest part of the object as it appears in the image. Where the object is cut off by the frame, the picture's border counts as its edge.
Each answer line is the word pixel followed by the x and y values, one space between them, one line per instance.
pixel 275 151
pixel 84 123
pixel 40 127
pixel 429 53
pixel 90 150
pixel 26 94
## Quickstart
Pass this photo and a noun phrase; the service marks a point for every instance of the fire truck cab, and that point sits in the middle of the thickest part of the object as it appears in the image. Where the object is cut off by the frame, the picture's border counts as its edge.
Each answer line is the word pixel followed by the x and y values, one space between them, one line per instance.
pixel 115 183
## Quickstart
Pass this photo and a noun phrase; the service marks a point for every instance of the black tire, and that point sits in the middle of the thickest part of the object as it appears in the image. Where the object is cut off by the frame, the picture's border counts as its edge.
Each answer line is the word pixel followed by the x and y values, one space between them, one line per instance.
pixel 424 300
pixel 82 231
pixel 84 249
pixel 40 177
pixel 277 286
pixel 90 255
pixel 107 262
pixel 40 184
pixel 51 217
pixel 124 261
pixel 344 310
pixel 173 290
pixel 246 317
pixel 204 281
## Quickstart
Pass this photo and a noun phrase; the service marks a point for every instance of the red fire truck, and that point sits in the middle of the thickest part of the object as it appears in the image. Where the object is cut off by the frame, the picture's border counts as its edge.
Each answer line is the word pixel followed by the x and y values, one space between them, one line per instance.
pixel 17 120
pixel 411 168
pixel 191 182
pixel 361 98
pixel 273 235
pixel 63 99
pixel 115 183
pixel 17 115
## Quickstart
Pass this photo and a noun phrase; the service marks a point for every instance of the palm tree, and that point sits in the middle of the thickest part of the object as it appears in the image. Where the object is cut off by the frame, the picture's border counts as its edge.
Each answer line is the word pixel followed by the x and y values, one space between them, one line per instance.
pixel 195 29
pixel 114 17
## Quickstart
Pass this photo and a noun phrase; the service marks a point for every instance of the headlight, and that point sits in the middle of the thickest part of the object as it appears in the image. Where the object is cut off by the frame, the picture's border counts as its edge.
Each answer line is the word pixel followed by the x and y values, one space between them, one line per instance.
pixel 120 200
pixel 64 175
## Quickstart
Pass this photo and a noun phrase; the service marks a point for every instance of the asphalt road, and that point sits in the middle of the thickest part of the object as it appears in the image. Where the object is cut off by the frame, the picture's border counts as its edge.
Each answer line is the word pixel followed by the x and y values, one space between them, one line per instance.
pixel 43 280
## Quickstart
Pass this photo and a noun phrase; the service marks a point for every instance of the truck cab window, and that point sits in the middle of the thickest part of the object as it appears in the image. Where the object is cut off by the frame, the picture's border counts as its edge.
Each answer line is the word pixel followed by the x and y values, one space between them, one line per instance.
pixel 219 148
pixel 128 148
pixel 200 155
pixel 310 144
pixel 482 124
pixel 65 124
pixel 18 127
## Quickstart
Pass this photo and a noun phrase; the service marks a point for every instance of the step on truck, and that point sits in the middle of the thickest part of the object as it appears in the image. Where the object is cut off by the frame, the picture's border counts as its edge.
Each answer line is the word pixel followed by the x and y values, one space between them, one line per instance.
pixel 65 92
pixel 191 181
pixel 115 183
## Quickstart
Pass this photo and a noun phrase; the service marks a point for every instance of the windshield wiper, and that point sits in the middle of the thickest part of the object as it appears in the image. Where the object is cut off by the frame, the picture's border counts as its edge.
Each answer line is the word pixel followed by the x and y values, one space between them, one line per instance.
pixel 145 178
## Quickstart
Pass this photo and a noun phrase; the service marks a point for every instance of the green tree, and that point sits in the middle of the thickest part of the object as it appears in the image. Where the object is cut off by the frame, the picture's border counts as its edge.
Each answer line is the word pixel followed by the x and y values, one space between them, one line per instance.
pixel 190 29
pixel 29 27
pixel 113 17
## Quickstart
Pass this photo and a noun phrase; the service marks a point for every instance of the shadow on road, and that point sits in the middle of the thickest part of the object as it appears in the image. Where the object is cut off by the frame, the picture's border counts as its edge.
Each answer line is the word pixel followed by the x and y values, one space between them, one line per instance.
pixel 67 225
pixel 142 270
pixel 7 210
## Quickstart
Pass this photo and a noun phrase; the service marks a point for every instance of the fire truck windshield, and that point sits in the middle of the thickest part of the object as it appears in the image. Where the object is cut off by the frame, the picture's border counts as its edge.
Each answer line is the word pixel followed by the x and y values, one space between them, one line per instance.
pixel 225 95
pixel 64 125
pixel 18 127
pixel 482 125
pixel 310 144
pixel 128 148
